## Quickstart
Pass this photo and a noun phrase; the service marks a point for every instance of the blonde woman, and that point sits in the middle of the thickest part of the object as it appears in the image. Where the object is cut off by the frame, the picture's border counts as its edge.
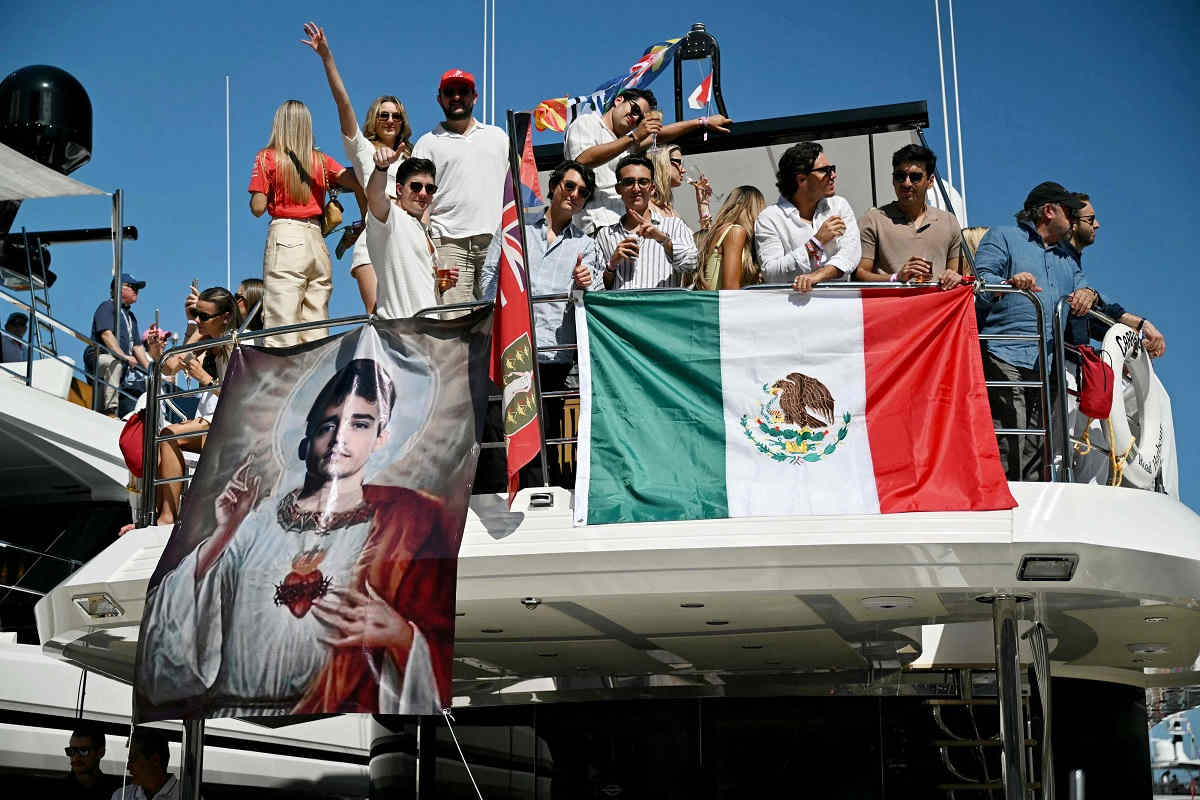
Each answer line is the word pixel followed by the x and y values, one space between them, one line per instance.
pixel 386 125
pixel 669 172
pixel 727 257
pixel 971 237
pixel 289 182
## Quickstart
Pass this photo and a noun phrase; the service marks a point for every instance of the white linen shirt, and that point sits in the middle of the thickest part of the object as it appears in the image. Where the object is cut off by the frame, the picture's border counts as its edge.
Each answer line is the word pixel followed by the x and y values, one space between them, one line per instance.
pixel 471 168
pixel 652 268
pixel 780 234
pixel 404 267
pixel 360 151
pixel 605 206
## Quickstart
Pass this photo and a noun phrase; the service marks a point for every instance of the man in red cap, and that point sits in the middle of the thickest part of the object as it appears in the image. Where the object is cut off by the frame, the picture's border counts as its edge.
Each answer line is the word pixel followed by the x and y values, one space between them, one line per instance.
pixel 471 160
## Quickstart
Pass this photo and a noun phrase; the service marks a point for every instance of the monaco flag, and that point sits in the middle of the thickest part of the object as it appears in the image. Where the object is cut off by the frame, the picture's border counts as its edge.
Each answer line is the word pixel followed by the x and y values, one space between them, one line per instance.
pixel 513 358
pixel 700 405
pixel 702 94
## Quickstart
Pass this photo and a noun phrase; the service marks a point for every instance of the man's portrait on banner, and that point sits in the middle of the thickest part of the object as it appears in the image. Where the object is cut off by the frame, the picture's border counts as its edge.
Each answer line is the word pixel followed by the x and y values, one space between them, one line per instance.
pixel 325 593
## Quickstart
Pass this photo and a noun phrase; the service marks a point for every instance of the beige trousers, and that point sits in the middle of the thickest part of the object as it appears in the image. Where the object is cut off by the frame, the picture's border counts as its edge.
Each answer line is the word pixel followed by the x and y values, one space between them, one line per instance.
pixel 109 370
pixel 468 255
pixel 297 280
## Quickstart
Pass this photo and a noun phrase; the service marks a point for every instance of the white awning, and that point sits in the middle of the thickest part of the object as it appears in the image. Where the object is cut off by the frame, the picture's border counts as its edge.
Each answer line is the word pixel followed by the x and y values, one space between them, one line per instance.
pixel 22 177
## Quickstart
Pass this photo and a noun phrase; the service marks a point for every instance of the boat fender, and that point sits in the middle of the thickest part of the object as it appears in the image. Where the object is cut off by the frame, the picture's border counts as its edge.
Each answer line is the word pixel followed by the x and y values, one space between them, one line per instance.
pixel 1136 462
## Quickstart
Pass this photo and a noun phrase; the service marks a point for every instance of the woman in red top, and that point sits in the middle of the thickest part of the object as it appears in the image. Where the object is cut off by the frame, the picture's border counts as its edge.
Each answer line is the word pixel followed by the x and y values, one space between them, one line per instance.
pixel 289 182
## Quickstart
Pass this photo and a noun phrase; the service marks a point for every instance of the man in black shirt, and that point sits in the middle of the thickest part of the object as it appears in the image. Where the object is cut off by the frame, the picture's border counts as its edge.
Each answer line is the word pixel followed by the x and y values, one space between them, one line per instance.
pixel 85 780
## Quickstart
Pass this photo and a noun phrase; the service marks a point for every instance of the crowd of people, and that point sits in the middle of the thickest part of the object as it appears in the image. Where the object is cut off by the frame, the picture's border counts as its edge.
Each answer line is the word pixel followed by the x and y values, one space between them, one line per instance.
pixel 431 214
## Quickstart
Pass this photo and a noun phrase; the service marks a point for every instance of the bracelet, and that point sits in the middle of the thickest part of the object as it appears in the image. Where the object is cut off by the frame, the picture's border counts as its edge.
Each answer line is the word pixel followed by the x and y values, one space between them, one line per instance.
pixel 380 169
pixel 1141 325
pixel 610 268
pixel 704 122
pixel 895 277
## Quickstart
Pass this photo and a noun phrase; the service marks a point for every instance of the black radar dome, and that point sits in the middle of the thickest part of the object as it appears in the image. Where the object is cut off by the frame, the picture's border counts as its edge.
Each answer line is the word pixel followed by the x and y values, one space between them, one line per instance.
pixel 46 115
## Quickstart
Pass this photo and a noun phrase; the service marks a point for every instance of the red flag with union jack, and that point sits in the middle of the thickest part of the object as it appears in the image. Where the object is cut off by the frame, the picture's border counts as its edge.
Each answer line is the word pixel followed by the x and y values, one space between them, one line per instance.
pixel 513 358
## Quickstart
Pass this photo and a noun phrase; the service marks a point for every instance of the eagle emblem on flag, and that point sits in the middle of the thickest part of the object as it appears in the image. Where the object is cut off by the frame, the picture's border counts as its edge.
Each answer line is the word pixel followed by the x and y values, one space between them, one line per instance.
pixel 794 421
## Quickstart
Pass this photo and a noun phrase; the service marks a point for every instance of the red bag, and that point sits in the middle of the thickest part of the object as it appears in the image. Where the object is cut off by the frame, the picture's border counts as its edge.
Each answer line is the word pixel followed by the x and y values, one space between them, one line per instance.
pixel 1095 384
pixel 132 442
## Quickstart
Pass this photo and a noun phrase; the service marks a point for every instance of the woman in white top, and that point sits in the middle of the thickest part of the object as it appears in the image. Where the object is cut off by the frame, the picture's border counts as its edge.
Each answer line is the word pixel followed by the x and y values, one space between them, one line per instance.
pixel 215 314
pixel 386 125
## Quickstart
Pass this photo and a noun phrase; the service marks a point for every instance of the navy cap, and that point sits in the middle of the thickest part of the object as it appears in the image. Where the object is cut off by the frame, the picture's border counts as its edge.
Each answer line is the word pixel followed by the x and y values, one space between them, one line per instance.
pixel 1051 192
pixel 132 281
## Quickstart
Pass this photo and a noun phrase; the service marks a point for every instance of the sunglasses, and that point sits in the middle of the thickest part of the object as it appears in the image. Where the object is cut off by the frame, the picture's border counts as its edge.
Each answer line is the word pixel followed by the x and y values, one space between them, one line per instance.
pixel 572 186
pixel 205 317
pixel 635 110
pixel 386 115
pixel 77 751
pixel 628 182
pixel 1090 219
pixel 416 186
pixel 677 162
pixel 825 171
pixel 900 175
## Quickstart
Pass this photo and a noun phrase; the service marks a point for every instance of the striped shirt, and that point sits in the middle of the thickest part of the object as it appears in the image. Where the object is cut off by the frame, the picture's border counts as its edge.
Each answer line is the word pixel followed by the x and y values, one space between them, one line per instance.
pixel 652 268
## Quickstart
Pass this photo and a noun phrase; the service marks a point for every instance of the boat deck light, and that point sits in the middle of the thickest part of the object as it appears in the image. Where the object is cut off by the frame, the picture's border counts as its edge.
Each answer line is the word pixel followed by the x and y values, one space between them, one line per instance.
pixel 888 602
pixel 1038 567
pixel 98 606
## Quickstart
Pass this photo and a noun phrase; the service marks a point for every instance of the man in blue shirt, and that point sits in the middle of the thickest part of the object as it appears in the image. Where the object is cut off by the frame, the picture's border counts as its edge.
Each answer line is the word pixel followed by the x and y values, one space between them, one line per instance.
pixel 15 327
pixel 561 258
pixel 1036 256
pixel 126 345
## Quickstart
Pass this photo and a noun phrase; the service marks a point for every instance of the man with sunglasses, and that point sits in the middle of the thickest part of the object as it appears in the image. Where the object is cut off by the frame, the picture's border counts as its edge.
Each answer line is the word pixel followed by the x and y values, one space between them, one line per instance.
pixel 86 779
pixel 1081 330
pixel 907 240
pixel 1036 256
pixel 407 264
pixel 644 249
pixel 561 258
pixel 600 140
pixel 471 160
pixel 809 234
pixel 124 349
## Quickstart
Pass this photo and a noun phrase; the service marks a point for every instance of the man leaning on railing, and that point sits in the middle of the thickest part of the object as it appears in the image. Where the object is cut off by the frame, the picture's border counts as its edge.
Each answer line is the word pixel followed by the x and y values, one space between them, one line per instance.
pixel 1035 256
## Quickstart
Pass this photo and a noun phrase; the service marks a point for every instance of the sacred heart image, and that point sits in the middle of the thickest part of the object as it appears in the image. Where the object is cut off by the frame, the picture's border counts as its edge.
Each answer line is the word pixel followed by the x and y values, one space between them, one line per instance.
pixel 795 419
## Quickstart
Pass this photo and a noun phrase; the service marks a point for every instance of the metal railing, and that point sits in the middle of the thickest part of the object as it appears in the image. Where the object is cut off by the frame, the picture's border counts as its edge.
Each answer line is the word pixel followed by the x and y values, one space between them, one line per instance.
pixel 1055 466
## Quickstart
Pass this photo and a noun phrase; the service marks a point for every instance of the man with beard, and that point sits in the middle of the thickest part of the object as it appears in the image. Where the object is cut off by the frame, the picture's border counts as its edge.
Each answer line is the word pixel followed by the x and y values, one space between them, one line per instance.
pixel 561 258
pixel 331 597
pixel 471 160
pixel 1081 330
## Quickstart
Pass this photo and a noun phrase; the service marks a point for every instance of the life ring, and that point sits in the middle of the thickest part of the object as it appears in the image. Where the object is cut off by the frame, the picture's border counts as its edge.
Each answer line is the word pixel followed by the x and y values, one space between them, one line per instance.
pixel 1137 451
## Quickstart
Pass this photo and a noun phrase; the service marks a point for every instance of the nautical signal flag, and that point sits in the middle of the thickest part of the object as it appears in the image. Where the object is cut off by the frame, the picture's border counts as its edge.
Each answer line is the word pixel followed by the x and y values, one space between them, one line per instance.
pixel 513 356
pixel 771 403
pixel 702 94
pixel 557 113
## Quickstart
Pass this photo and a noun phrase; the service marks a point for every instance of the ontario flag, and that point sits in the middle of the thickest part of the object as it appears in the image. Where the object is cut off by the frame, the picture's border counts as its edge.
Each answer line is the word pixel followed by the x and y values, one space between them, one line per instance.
pixel 702 405
pixel 513 357
pixel 702 94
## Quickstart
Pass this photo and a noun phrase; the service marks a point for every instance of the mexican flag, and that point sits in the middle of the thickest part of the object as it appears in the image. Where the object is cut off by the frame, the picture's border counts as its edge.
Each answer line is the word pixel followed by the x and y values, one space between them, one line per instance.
pixel 702 405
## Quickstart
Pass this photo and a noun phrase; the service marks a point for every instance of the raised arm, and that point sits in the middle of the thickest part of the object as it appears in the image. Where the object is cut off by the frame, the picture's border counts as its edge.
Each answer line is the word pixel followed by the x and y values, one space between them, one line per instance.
pixel 377 199
pixel 717 122
pixel 320 45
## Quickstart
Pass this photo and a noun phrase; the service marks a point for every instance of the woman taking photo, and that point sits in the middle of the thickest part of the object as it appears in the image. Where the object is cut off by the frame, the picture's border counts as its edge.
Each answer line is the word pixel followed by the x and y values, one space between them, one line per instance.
pixel 386 125
pixel 289 182
pixel 727 257
pixel 215 312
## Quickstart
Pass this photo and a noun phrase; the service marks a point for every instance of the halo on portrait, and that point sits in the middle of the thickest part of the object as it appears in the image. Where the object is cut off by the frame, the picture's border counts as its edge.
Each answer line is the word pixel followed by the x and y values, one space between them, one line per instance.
pixel 411 376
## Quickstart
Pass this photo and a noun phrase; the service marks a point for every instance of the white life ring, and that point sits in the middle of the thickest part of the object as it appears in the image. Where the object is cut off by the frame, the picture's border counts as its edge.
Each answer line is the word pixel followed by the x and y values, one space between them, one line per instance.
pixel 1139 447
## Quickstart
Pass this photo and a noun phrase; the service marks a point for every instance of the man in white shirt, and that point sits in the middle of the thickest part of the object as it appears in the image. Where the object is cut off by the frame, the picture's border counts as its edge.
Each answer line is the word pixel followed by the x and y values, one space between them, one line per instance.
pixel 643 249
pixel 147 765
pixel 600 140
pixel 471 159
pixel 809 235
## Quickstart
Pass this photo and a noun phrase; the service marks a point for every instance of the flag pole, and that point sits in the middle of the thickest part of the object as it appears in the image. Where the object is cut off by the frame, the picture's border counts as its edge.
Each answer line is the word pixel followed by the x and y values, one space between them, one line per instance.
pixel 514 172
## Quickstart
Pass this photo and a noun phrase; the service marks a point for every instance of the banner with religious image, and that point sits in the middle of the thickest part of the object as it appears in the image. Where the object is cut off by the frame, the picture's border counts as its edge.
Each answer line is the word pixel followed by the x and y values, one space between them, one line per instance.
pixel 313 568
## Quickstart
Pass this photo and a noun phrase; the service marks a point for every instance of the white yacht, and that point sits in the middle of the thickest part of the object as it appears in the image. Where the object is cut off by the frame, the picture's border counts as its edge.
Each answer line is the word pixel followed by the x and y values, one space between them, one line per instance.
pixel 938 654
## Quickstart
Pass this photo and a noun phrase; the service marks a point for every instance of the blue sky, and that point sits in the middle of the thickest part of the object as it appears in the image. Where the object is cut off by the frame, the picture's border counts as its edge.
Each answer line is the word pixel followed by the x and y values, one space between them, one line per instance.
pixel 1099 96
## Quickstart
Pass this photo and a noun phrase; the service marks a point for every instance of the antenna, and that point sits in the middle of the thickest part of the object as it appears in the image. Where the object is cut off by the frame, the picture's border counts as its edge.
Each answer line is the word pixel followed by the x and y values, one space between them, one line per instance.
pixel 962 173
pixel 492 51
pixel 484 83
pixel 937 15
pixel 228 262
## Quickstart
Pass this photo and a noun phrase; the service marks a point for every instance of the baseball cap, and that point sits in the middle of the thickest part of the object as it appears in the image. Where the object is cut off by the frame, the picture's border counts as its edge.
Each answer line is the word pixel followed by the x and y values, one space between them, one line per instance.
pixel 132 281
pixel 1051 192
pixel 456 76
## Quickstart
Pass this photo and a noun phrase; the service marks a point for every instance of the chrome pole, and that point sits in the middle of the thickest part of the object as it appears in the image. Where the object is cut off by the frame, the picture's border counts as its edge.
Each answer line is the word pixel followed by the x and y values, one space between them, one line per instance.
pixel 1008 691
pixel 191 771
pixel 1060 379
pixel 1077 785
